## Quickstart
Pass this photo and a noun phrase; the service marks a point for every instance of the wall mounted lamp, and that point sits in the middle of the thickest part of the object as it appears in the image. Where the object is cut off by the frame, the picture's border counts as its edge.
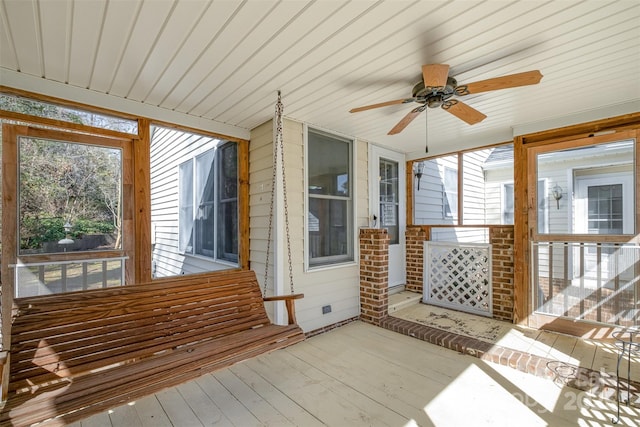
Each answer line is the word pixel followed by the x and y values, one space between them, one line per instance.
pixel 556 192
pixel 418 167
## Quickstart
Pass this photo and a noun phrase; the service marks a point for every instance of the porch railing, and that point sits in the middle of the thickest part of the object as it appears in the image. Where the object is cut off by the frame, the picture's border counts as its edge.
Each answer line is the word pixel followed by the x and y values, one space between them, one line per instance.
pixel 597 282
pixel 53 277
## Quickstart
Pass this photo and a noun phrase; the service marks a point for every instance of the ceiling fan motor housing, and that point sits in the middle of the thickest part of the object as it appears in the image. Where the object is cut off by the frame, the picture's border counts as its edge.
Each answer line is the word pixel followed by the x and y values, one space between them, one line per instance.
pixel 434 97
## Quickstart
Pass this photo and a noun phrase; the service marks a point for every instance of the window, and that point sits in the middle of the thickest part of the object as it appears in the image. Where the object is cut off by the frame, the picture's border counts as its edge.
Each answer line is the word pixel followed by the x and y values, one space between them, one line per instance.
pixel 227 200
pixel 507 204
pixel 330 199
pixel 389 204
pixel 208 204
pixel 70 232
pixel 604 209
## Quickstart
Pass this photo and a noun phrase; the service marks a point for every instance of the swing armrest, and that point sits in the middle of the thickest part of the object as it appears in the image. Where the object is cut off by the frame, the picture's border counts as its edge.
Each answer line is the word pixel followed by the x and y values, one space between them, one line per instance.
pixel 4 375
pixel 289 301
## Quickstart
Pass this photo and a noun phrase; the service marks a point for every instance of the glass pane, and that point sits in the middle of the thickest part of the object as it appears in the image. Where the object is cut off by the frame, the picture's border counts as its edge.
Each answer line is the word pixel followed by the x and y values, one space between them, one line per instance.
pixel 587 281
pixel 227 234
pixel 487 188
pixel 70 196
pixel 588 190
pixel 330 158
pixel 389 203
pixel 507 204
pixel 328 231
pixel 194 210
pixel 205 219
pixel 47 110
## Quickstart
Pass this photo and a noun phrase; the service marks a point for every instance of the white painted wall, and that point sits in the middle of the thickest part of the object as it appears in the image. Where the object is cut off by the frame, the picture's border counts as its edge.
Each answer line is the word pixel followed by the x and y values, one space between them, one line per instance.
pixel 337 286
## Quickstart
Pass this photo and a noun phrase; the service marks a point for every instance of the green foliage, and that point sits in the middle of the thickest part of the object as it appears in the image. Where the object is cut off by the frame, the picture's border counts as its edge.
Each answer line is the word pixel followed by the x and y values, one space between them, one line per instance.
pixel 62 182
pixel 34 231
pixel 85 226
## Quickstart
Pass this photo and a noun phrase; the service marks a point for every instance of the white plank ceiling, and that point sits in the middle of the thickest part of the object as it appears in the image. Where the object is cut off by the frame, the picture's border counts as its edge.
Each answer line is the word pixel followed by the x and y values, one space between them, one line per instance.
pixel 222 62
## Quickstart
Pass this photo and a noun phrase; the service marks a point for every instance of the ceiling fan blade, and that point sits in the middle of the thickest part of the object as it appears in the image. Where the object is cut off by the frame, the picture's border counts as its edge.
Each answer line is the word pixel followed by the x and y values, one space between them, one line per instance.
pixel 463 111
pixel 435 75
pixel 407 119
pixel 504 82
pixel 382 104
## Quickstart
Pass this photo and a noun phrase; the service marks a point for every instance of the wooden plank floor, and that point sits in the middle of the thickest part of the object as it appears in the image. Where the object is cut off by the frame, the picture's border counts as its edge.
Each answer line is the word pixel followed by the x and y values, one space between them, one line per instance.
pixel 361 375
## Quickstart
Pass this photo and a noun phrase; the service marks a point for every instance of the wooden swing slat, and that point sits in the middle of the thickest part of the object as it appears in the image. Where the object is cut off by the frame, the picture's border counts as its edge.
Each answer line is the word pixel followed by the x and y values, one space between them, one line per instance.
pixel 76 354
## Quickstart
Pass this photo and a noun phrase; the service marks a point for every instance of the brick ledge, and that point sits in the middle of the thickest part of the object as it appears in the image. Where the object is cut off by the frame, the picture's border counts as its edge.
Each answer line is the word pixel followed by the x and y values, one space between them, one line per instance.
pixel 597 383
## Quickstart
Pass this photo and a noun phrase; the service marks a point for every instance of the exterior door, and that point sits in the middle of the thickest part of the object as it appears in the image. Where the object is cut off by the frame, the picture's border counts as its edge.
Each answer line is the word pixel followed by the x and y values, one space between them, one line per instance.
pixel 387 178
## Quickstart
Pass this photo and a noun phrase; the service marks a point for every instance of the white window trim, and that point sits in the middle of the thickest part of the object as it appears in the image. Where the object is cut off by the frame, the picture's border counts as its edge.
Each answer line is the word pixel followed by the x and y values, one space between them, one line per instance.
pixel 503 202
pixel 194 202
pixel 354 198
pixel 454 215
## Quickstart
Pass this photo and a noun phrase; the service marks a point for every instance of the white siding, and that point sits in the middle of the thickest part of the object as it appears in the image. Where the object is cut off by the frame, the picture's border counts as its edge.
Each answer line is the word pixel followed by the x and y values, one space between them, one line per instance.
pixel 169 148
pixel 473 187
pixel 460 235
pixel 495 179
pixel 428 201
pixel 336 286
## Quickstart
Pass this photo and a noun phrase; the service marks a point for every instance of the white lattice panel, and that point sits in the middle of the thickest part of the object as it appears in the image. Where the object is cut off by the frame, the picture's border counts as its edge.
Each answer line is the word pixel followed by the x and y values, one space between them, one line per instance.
pixel 458 276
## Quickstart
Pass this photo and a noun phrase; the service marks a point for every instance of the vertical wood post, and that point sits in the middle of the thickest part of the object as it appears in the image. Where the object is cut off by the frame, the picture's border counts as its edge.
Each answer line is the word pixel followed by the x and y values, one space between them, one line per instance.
pixel 142 201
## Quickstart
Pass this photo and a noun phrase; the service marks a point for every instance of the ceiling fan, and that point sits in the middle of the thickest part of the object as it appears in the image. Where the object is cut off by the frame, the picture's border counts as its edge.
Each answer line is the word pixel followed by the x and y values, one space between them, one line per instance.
pixel 437 90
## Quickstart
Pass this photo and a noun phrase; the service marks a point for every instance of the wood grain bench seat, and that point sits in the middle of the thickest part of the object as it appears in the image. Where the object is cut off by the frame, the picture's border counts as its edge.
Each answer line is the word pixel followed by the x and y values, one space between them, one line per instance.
pixel 76 354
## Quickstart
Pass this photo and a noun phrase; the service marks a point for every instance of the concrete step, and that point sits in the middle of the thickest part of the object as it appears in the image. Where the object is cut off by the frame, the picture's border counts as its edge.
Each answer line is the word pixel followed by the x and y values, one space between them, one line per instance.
pixel 404 299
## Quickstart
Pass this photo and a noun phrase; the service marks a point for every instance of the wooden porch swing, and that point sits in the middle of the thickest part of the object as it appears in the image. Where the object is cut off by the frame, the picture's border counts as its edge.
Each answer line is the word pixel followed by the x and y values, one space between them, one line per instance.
pixel 80 353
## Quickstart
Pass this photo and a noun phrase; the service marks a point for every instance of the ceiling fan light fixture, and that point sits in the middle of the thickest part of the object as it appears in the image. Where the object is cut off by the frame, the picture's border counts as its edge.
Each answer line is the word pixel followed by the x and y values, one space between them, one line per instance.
pixel 435 101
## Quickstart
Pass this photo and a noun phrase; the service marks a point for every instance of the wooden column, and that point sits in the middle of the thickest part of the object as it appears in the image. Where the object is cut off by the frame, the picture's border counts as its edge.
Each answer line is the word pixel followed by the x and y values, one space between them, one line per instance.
pixel 521 232
pixel 142 191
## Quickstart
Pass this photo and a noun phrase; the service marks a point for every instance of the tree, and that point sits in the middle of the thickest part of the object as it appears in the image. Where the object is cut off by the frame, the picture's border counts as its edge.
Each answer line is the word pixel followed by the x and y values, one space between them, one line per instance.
pixel 77 183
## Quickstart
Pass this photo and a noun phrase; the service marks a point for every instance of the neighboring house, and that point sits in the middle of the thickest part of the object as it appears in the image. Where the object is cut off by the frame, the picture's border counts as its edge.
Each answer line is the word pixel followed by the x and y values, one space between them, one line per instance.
pixel 571 184
pixel 194 203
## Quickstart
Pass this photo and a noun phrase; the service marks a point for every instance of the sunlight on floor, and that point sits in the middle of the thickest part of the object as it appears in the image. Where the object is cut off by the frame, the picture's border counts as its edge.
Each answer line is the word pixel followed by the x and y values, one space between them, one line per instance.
pixel 495 395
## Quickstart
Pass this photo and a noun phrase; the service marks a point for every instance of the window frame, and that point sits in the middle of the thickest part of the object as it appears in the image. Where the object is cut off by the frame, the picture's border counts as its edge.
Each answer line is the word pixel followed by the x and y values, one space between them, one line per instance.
pixel 452 214
pixel 457 162
pixel 215 204
pixel 503 202
pixel 331 261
